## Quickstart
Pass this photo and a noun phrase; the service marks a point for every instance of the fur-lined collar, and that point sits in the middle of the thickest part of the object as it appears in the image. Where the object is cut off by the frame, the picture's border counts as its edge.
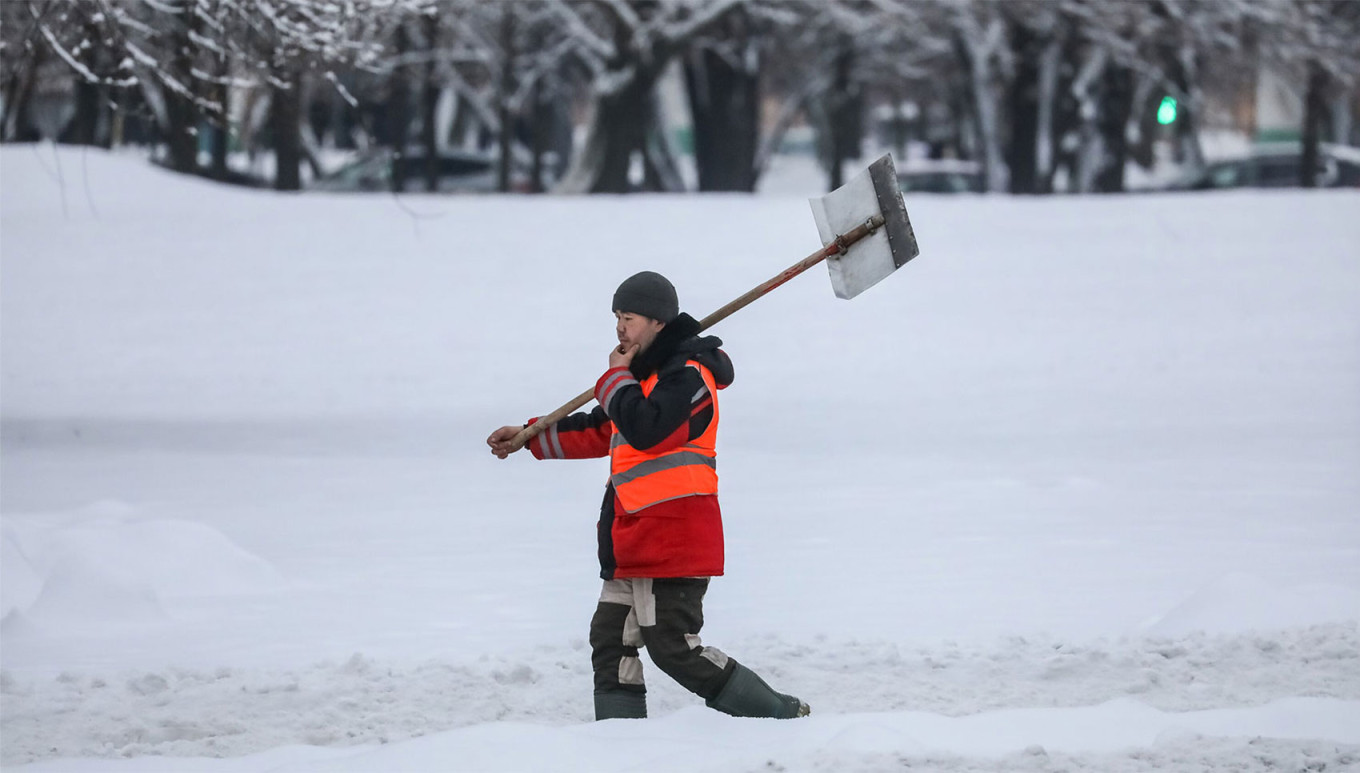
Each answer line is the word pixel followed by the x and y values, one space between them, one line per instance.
pixel 678 342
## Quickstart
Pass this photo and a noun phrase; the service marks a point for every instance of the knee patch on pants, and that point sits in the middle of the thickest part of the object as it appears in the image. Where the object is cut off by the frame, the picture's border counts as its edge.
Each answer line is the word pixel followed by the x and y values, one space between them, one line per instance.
pixel 674 643
pixel 614 641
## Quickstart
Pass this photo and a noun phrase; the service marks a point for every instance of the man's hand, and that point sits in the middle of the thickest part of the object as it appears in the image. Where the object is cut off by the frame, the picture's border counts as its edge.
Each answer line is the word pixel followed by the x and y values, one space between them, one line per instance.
pixel 500 440
pixel 621 358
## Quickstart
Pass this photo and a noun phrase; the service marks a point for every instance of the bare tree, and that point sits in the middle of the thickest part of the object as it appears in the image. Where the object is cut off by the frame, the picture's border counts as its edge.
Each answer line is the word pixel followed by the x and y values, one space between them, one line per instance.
pixel 626 46
pixel 1318 38
pixel 840 54
pixel 1035 85
pixel 24 54
pixel 184 55
pixel 292 40
pixel 499 64
pixel 723 73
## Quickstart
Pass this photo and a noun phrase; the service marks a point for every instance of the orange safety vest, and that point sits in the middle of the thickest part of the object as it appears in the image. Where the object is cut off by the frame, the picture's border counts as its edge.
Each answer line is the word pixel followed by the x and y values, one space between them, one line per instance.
pixel 642 479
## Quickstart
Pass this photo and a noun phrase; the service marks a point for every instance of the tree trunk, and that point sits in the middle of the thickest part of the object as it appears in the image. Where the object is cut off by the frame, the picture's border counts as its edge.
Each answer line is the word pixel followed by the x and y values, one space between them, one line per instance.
pixel 345 122
pixel 180 134
pixel 623 117
pixel 465 128
pixel 843 118
pixel 399 111
pixel 287 128
pixel 1089 157
pixel 1023 103
pixel 724 101
pixel 1314 114
pixel 429 107
pixel 616 137
pixel 1046 123
pixel 1183 71
pixel 1065 114
pixel 1143 122
pixel 538 124
pixel 221 141
pixel 622 121
pixel 180 112
pixel 1115 107
pixel 221 132
pixel 506 136
pixel 117 124
pixel 977 60
pixel 661 169
pixel 17 85
pixel 308 142
pixel 84 124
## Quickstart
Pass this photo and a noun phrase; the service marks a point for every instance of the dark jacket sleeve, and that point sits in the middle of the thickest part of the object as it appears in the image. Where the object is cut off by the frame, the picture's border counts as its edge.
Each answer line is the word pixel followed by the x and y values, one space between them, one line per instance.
pixel 578 436
pixel 659 421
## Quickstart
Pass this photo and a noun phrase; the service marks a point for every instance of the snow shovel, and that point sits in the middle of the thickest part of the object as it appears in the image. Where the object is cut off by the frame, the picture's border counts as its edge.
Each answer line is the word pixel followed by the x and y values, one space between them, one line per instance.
pixel 865 236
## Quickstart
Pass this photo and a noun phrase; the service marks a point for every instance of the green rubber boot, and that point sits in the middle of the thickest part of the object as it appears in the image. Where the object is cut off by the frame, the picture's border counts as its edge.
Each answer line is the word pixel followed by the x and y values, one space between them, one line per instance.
pixel 620 704
pixel 747 695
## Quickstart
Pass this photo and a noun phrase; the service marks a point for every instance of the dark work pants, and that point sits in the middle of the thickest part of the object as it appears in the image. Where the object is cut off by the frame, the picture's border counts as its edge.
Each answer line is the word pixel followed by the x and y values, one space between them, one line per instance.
pixel 663 615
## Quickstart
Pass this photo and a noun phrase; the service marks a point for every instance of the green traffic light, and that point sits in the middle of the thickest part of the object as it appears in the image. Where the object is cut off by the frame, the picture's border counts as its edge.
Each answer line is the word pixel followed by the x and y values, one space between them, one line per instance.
pixel 1166 112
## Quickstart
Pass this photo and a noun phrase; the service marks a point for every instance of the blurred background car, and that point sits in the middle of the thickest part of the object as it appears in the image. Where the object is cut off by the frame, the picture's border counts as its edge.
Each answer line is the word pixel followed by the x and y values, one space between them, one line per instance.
pixel 941 176
pixel 1277 166
pixel 459 171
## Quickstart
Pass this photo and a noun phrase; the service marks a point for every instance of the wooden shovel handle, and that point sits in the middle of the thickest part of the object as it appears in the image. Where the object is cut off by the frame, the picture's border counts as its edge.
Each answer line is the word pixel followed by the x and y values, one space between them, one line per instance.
pixel 837 247
pixel 534 430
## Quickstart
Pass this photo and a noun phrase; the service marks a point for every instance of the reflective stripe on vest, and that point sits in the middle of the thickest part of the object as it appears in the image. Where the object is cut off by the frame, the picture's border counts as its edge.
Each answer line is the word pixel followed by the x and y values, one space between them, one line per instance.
pixel 642 479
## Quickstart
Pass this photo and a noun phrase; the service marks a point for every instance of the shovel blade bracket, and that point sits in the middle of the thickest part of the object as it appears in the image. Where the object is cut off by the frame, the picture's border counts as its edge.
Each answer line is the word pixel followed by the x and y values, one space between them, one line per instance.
pixel 871 259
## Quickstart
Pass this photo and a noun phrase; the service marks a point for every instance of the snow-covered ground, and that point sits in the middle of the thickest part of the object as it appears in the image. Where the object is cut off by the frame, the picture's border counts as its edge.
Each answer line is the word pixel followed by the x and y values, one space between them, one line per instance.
pixel 1078 489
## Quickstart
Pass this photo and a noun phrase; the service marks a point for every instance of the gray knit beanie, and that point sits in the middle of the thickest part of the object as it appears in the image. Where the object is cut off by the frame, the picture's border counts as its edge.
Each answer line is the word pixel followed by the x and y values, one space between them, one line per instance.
pixel 649 294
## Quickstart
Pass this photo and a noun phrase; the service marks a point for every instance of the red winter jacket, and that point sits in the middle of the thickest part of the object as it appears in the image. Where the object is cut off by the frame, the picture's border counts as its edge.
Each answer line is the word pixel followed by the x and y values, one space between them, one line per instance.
pixel 680 537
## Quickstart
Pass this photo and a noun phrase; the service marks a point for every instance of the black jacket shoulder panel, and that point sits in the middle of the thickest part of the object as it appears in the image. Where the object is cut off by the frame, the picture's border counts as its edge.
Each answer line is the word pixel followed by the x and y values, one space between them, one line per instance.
pixel 707 353
pixel 678 343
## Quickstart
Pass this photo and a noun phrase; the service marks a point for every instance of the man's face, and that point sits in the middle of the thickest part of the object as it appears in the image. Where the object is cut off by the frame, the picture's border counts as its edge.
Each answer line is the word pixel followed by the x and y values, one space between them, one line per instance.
pixel 636 329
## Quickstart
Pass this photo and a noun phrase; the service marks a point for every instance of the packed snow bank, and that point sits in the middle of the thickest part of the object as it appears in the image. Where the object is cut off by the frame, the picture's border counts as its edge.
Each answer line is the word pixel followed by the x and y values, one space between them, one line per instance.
pixel 113 569
pixel 696 740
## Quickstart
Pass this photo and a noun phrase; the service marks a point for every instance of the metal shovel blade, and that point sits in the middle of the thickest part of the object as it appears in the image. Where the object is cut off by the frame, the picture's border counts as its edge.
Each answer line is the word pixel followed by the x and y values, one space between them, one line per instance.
pixel 871 259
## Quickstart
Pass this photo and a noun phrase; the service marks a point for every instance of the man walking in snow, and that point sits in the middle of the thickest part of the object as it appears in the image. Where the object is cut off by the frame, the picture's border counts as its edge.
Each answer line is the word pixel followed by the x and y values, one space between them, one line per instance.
pixel 660 528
